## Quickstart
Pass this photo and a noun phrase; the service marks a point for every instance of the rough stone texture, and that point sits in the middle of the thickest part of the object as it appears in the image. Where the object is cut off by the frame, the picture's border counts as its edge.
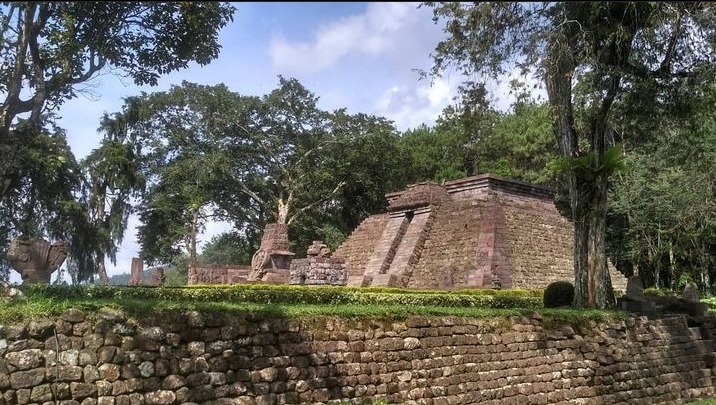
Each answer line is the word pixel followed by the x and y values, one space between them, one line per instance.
pixel 634 289
pixel 691 292
pixel 318 271
pixel 272 262
pixel 36 259
pixel 252 359
pixel 158 277
pixel 318 268
pixel 217 274
pixel 466 233
pixel 358 248
pixel 136 276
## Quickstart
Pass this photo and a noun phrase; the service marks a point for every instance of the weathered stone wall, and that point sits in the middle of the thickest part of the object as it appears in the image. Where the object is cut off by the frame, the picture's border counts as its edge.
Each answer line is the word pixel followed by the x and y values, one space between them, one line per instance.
pixel 217 274
pixel 358 248
pixel 451 248
pixel 194 358
pixel 541 238
pixel 318 271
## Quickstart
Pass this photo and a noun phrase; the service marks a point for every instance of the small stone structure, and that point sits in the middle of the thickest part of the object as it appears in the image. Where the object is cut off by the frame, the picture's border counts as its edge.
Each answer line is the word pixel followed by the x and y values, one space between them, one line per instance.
pixel 136 276
pixel 475 232
pixel 217 274
pixel 318 268
pixel 271 263
pixel 691 292
pixel 635 301
pixel 36 259
pixel 158 277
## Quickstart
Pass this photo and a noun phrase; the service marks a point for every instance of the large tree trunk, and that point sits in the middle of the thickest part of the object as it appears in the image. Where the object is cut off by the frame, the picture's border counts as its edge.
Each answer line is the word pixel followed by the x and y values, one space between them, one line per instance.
pixel 102 272
pixel 192 236
pixel 601 294
pixel 558 80
pixel 581 222
pixel 705 279
pixel 587 188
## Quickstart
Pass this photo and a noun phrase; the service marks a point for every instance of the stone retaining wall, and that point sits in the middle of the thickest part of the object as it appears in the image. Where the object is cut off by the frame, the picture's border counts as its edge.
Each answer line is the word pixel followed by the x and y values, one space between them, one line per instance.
pixel 217 274
pixel 194 358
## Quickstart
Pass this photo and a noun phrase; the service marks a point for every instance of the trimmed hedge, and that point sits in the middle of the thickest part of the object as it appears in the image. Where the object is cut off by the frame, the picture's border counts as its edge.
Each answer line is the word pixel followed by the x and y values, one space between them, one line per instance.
pixel 289 294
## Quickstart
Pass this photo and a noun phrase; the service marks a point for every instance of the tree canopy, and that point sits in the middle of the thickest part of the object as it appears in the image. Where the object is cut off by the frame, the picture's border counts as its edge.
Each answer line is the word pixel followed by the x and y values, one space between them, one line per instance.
pixel 590 57
pixel 52 51
pixel 210 153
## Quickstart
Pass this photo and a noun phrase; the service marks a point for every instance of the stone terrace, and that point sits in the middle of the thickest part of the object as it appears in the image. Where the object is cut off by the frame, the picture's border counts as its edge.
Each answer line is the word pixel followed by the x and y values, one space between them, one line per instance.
pixel 464 234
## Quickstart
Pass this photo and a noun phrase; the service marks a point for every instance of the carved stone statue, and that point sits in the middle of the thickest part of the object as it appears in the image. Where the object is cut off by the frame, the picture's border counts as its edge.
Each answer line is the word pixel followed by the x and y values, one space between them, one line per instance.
pixel 36 259
pixel 272 261
pixel 318 249
pixel 158 278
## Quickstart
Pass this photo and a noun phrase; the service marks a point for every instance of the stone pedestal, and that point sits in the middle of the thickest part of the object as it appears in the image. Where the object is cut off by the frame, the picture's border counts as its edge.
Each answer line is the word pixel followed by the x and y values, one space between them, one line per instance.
pixel 36 259
pixel 272 262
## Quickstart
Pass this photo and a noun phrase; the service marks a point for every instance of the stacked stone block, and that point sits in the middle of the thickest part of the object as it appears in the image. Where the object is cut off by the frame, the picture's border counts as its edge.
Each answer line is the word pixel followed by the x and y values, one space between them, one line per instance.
pixel 217 274
pixel 319 271
pixel 358 248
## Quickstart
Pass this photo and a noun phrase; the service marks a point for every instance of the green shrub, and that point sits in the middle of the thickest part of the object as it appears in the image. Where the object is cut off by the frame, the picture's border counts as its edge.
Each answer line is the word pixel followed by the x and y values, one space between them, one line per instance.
pixel 558 294
pixel 284 294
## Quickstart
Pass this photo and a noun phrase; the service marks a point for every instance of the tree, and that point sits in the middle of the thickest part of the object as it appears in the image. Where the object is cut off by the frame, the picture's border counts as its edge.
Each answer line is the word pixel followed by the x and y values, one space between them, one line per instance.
pixel 112 178
pixel 663 205
pixel 51 49
pixel 438 154
pixel 589 56
pixel 179 137
pixel 288 140
pixel 228 248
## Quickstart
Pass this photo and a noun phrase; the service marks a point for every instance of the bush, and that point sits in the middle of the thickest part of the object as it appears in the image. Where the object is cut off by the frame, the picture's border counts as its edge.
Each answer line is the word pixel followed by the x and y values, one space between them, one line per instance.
pixel 558 294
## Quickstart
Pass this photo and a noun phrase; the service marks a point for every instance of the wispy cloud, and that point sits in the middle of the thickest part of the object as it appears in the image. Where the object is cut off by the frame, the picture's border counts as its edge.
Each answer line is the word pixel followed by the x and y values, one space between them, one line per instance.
pixel 378 30
pixel 410 107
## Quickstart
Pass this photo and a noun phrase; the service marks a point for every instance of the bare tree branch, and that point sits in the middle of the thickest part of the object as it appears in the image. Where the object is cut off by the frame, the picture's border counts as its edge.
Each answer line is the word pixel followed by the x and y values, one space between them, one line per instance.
pixel 313 204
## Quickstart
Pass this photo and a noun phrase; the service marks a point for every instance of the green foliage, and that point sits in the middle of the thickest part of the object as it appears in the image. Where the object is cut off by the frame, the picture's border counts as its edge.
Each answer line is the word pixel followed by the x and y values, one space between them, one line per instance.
pixel 435 154
pixel 160 303
pixel 613 71
pixel 589 166
pixel 228 248
pixel 558 294
pixel 302 295
pixel 50 51
pixel 211 153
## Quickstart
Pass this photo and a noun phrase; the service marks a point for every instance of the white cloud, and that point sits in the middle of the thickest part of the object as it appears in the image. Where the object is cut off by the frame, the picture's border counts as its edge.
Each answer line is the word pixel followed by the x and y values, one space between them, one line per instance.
pixel 410 107
pixel 377 31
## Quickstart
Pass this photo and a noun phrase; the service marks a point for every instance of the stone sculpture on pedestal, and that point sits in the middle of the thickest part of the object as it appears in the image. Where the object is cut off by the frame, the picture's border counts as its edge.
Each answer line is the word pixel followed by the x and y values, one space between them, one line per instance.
pixel 36 259
pixel 271 263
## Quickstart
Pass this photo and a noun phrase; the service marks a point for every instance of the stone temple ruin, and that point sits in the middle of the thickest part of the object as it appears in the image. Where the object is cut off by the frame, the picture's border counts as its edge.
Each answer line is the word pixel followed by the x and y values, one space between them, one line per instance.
pixel 483 231
pixel 476 232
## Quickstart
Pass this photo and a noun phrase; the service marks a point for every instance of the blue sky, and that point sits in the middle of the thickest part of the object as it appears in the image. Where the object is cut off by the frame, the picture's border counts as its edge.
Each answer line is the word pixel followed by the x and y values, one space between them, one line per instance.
pixel 359 56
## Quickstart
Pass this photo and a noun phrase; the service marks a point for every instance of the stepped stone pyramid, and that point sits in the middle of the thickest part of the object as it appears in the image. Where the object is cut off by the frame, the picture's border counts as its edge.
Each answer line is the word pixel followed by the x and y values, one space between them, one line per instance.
pixel 474 232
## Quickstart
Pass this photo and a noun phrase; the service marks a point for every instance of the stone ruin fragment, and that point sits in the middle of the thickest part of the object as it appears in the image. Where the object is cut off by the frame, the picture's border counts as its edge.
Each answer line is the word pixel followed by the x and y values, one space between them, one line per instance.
pixel 271 263
pixel 318 268
pixel 36 259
